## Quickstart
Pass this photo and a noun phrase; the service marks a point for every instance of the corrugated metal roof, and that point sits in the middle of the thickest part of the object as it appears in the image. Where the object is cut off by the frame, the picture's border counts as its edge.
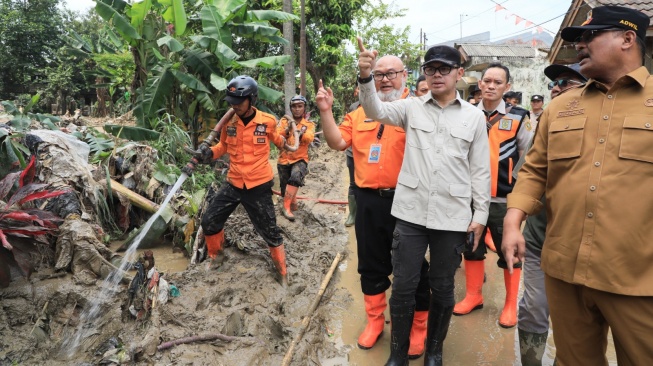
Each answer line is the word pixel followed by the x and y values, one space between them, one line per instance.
pixel 500 51
pixel 645 6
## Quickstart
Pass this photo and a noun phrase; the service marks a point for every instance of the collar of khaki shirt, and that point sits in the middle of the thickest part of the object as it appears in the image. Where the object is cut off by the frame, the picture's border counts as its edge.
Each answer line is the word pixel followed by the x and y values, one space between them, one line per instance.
pixel 638 75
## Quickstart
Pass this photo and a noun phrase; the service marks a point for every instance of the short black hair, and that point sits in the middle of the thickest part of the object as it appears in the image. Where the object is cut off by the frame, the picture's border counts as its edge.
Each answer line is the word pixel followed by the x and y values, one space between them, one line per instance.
pixel 499 65
pixel 420 79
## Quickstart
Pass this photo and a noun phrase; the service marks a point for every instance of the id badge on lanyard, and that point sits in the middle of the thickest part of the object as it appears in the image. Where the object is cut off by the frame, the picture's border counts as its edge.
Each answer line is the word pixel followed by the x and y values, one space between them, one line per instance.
pixel 375 149
pixel 375 154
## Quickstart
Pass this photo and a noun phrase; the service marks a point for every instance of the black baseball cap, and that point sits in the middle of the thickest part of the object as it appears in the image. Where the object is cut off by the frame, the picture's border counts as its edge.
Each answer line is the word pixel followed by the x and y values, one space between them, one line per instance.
pixel 537 97
pixel 445 54
pixel 611 16
pixel 553 71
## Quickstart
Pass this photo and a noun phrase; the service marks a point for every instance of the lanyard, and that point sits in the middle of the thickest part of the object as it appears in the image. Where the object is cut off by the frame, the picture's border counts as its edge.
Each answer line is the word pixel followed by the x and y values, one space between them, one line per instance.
pixel 380 133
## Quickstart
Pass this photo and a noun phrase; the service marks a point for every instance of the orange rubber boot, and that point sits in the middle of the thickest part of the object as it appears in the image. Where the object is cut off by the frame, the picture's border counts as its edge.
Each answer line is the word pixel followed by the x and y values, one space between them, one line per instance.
pixel 489 242
pixel 508 318
pixel 214 244
pixel 474 272
pixel 418 334
pixel 374 307
pixel 279 258
pixel 291 193
pixel 293 203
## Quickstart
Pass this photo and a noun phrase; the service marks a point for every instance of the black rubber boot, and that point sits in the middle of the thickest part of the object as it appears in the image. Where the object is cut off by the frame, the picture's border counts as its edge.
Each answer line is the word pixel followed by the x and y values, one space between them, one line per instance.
pixel 402 321
pixel 437 328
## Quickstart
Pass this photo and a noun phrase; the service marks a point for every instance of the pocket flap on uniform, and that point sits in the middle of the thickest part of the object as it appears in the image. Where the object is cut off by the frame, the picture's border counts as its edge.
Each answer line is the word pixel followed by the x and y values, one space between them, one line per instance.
pixel 462 133
pixel 639 122
pixel 408 179
pixel 422 124
pixel 367 126
pixel 460 190
pixel 568 124
pixel 399 129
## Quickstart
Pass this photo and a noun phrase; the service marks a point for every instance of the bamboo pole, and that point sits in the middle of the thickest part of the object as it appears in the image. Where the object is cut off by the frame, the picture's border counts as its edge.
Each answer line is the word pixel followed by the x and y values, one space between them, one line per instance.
pixel 311 310
pixel 138 200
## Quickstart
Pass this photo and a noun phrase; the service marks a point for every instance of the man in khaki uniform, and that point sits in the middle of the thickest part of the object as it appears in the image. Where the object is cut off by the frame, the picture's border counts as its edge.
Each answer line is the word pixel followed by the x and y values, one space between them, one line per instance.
pixel 593 158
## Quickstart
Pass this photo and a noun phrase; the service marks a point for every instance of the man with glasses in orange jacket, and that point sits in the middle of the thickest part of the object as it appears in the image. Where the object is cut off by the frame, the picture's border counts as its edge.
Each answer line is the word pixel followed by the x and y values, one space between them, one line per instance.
pixel 378 152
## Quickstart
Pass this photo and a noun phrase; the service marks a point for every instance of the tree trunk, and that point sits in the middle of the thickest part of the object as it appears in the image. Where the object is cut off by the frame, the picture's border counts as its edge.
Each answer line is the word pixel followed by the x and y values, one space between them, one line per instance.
pixel 302 51
pixel 102 95
pixel 289 49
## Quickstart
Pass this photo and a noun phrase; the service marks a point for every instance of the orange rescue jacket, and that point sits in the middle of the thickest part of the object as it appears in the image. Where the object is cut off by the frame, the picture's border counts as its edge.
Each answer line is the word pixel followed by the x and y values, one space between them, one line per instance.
pixel 307 130
pixel 249 149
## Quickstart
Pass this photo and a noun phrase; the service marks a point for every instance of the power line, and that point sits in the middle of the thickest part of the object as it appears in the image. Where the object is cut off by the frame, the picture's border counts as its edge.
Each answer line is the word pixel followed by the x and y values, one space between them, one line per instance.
pixel 467 19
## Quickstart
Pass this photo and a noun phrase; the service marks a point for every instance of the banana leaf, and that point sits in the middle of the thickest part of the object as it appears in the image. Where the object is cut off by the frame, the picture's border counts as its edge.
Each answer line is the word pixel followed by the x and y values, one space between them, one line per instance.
pixel 132 133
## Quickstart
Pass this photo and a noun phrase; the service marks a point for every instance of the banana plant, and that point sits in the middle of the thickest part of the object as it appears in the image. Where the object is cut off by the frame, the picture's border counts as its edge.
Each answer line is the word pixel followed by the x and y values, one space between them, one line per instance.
pixel 185 59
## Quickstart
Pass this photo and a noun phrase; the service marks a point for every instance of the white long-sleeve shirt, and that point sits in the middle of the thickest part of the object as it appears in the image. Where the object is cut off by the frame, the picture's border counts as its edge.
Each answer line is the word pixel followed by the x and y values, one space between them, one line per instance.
pixel 446 167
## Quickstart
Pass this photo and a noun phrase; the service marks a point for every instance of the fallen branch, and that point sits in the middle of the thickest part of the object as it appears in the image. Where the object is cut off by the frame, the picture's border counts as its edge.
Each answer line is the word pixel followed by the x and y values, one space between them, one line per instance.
pixel 311 310
pixel 198 338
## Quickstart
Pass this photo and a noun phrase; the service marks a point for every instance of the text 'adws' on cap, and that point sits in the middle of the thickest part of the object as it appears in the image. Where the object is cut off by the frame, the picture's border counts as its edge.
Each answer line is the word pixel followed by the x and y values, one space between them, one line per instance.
pixel 537 98
pixel 554 71
pixel 445 54
pixel 612 16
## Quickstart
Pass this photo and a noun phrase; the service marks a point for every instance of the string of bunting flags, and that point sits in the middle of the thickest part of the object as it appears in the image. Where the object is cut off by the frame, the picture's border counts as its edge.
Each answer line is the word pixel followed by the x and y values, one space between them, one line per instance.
pixel 518 19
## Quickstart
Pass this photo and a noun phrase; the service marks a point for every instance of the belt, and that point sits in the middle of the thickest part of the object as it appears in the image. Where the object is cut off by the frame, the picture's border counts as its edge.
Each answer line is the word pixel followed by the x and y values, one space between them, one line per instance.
pixel 386 193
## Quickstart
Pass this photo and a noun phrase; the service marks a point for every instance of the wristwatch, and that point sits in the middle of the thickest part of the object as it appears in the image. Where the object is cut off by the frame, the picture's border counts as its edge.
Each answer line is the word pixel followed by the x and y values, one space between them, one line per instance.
pixel 365 80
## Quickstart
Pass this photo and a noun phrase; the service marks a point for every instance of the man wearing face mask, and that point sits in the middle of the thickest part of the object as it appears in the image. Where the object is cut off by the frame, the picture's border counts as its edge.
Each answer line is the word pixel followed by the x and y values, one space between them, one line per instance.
pixel 592 158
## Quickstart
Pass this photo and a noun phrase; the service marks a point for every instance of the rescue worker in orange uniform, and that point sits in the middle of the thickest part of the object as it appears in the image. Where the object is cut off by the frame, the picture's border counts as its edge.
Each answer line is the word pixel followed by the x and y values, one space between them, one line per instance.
pixel 293 166
pixel 378 153
pixel 246 139
pixel 510 131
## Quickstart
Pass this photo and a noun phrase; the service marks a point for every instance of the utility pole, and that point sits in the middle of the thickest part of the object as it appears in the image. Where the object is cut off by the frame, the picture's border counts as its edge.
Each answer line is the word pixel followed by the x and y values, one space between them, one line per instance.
pixel 461 26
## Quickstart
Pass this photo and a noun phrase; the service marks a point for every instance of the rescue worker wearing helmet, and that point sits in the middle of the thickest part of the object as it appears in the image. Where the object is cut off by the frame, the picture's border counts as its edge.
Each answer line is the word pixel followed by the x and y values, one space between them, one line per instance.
pixel 246 139
pixel 293 165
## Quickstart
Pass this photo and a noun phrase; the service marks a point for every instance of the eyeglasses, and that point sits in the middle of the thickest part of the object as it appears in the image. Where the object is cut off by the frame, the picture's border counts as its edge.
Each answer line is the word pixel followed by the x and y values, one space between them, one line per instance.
pixel 391 75
pixel 443 70
pixel 563 83
pixel 588 36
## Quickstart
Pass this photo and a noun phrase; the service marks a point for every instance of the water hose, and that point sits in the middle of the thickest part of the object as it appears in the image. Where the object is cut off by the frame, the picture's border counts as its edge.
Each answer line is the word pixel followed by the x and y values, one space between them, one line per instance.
pixel 318 200
pixel 295 132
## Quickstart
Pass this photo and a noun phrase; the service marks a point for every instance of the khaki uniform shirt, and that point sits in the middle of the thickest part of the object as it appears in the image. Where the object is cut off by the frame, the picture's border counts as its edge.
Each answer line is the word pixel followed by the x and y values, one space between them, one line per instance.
pixel 446 167
pixel 593 157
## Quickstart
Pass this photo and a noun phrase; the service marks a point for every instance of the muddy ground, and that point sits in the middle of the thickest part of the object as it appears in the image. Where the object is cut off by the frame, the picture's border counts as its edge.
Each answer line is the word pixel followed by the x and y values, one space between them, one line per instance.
pixel 241 298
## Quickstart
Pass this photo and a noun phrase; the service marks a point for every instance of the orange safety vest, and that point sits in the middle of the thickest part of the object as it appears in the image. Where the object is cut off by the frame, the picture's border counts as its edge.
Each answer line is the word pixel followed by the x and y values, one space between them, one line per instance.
pixel 504 152
pixel 307 129
pixel 249 149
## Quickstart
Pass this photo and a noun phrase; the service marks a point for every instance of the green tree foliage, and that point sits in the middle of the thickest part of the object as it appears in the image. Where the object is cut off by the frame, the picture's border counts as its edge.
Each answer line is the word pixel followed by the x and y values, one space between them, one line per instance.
pixel 30 33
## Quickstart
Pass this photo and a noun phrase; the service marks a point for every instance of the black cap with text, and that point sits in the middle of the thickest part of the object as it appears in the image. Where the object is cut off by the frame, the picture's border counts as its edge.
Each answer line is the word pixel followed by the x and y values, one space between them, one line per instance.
pixel 612 16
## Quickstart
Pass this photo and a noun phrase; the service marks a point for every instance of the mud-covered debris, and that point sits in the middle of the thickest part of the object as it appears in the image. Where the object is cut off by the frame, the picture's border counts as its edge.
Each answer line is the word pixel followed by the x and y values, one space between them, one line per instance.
pixel 78 248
